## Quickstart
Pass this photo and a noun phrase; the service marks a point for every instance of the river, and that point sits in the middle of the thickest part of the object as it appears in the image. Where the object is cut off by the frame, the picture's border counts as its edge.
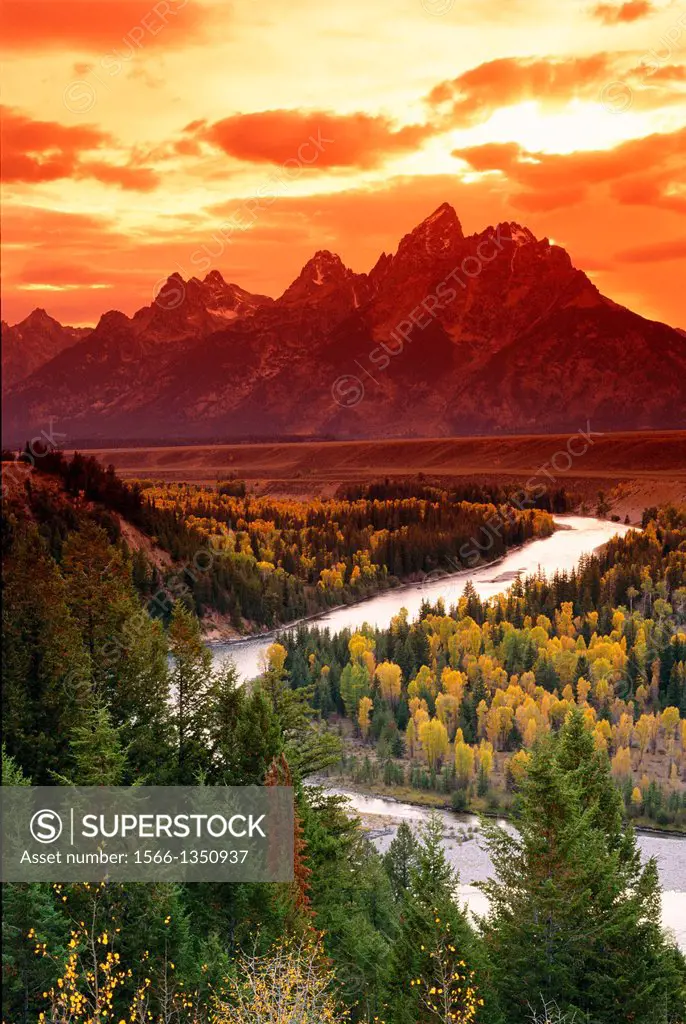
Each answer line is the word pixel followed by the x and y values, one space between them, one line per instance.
pixel 466 850
pixel 577 536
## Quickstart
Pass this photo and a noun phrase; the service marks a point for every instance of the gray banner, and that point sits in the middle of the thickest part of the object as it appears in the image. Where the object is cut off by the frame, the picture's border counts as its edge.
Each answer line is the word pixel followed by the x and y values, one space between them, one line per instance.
pixel 147 833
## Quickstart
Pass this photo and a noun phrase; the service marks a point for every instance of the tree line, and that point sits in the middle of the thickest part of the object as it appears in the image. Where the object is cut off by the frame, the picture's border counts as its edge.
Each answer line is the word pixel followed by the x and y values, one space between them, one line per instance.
pixel 270 561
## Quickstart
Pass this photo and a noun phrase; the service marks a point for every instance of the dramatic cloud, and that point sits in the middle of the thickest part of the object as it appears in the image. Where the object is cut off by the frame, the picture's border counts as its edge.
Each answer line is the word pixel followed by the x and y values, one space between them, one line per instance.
pixel 474 95
pixel 106 188
pixel 612 79
pixel 37 226
pixel 319 139
pixel 40 151
pixel 614 14
pixel 43 150
pixel 118 25
pixel 641 171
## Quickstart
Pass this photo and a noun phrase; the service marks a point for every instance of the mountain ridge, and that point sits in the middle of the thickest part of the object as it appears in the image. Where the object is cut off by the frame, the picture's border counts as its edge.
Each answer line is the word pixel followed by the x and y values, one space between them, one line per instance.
pixel 492 332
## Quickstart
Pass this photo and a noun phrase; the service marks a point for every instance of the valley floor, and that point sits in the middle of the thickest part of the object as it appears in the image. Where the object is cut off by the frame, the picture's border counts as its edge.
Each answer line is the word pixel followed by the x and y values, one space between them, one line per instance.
pixel 634 469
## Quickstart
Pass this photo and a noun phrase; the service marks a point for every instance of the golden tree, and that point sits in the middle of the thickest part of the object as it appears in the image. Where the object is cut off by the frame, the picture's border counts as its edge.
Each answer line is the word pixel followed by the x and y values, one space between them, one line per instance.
pixel 669 720
pixel 464 760
pixel 363 713
pixel 621 763
pixel 292 984
pixel 411 738
pixel 390 677
pixel 274 658
pixel 644 731
pixel 447 991
pixel 517 767
pixel 433 736
pixel 448 710
pixel 90 981
pixel 453 683
pixel 485 759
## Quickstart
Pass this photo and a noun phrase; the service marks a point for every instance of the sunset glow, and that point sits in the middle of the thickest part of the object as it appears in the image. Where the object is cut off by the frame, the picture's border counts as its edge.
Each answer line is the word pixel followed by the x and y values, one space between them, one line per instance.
pixel 137 135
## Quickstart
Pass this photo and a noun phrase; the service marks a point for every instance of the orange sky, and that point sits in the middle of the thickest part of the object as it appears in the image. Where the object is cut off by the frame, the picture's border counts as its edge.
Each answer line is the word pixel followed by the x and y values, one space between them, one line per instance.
pixel 142 138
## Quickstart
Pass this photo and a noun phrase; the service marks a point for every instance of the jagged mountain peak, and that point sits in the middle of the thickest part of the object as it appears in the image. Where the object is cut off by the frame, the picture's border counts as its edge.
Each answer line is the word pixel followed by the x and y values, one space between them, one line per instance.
pixel 458 336
pixel 214 277
pixel 37 315
pixel 516 233
pixel 322 273
pixel 443 222
pixel 38 319
pixel 444 215
pixel 325 264
pixel 438 236
pixel 222 294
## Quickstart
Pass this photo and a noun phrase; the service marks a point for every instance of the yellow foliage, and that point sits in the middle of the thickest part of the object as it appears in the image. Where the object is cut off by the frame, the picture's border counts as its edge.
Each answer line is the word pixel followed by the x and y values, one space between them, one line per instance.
pixel 517 766
pixel 453 682
pixel 358 645
pixel 390 678
pixel 434 739
pixel 669 719
pixel 485 758
pixel 464 761
pixel 447 710
pixel 275 658
pixel 292 984
pixel 621 763
pixel 363 713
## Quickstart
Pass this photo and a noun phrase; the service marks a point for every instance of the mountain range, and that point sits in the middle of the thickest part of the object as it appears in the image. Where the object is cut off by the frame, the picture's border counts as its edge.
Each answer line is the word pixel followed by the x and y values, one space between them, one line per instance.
pixel 495 332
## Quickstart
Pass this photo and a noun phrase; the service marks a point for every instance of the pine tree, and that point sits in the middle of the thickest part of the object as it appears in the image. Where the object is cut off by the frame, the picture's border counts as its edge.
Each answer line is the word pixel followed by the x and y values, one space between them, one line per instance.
pixel 307 749
pixel 244 732
pixel 45 670
pixel 100 596
pixel 99 759
pixel 429 914
pixel 401 859
pixel 140 703
pixel 225 703
pixel 127 649
pixel 574 917
pixel 191 683
pixel 352 899
pixel 29 916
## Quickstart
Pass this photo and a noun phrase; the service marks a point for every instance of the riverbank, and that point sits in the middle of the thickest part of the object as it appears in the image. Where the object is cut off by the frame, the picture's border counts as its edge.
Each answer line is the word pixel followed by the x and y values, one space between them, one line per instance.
pixel 429 800
pixel 467 851
pixel 573 537
pixel 397 587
